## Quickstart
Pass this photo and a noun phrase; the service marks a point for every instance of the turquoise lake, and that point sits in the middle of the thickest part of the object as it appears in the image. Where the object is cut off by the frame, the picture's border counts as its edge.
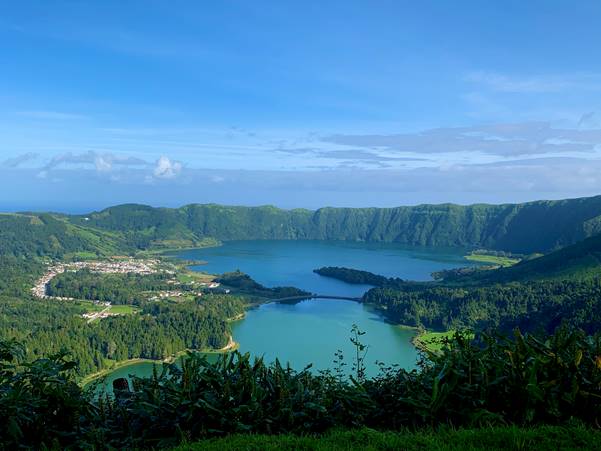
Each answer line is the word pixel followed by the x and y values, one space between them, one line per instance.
pixel 310 332
pixel 291 263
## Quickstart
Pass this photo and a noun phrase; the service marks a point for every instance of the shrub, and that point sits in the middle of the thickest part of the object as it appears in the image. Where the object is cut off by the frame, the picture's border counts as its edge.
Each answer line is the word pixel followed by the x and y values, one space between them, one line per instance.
pixel 490 380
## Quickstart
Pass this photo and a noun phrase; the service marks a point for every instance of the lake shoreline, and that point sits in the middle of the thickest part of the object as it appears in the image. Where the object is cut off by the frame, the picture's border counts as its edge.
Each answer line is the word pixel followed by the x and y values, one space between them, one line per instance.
pixel 231 346
pixel 264 260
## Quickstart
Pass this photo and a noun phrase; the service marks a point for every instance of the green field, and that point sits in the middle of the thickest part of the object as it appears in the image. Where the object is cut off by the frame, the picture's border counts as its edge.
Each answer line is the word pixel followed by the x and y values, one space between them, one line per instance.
pixel 82 255
pixel 186 276
pixel 124 309
pixel 492 259
pixel 89 306
pixel 444 439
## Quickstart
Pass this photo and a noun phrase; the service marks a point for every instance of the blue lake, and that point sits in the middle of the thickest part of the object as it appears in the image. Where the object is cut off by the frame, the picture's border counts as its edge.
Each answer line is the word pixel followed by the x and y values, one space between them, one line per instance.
pixel 291 263
pixel 310 332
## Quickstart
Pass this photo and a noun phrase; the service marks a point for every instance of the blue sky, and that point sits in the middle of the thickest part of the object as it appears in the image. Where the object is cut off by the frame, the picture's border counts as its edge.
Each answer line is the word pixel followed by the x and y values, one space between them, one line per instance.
pixel 298 104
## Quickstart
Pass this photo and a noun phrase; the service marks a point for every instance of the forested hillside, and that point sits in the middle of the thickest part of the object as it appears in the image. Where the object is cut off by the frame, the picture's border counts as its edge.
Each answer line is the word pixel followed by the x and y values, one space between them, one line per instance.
pixel 525 228
pixel 158 331
pixel 534 295
pixel 578 261
pixel 48 235
pixel 539 226
pixel 531 306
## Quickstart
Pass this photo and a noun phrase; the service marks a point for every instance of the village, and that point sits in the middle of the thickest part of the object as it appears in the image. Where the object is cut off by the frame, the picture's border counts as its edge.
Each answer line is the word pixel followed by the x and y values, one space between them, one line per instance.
pixel 130 265
pixel 121 266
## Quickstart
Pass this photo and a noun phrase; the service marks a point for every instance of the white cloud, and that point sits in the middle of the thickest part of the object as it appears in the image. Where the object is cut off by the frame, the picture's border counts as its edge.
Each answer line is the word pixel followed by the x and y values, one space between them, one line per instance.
pixel 19 160
pixel 508 181
pixel 102 162
pixel 113 167
pixel 167 169
pixel 498 140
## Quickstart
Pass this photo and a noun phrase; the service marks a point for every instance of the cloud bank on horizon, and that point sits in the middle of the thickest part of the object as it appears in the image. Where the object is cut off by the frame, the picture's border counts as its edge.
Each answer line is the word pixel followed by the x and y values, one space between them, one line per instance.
pixel 298 104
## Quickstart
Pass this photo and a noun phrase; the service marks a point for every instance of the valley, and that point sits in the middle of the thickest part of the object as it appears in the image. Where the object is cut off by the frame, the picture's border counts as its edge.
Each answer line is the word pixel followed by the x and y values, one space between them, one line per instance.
pixel 126 305
pixel 84 275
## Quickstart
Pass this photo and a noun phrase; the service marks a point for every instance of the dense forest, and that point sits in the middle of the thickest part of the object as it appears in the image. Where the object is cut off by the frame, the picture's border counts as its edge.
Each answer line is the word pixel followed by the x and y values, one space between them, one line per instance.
pixel 127 288
pixel 159 330
pixel 354 276
pixel 244 284
pixel 46 327
pixel 531 306
pixel 17 275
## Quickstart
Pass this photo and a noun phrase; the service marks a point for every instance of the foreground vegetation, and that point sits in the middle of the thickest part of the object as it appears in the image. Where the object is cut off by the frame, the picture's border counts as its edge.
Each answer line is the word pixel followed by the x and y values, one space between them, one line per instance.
pixel 490 381
pixel 540 438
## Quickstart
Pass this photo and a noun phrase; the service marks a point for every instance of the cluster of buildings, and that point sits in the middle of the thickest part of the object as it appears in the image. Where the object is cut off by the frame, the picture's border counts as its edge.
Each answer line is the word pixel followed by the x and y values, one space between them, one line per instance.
pixel 123 266
pixel 167 294
pixel 174 294
pixel 149 266
pixel 130 265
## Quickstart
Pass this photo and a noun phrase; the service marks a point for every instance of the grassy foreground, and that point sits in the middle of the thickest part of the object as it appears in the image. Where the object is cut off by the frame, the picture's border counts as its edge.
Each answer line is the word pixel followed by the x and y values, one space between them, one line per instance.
pixel 486 439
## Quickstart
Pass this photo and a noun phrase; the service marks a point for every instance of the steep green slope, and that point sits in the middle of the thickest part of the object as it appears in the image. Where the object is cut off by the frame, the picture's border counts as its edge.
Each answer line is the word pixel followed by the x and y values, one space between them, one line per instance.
pixel 563 287
pixel 578 261
pixel 530 227
pixel 47 235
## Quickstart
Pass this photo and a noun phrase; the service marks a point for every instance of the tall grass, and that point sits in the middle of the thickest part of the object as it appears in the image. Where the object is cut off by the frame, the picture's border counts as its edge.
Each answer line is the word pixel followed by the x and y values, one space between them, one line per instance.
pixel 491 380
